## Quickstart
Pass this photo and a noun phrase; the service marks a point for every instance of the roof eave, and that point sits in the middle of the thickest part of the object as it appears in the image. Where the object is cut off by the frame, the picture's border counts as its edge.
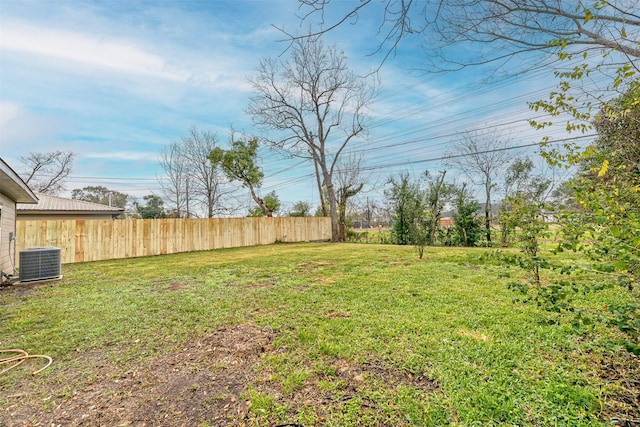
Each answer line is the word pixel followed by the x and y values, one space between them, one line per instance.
pixel 46 212
pixel 14 187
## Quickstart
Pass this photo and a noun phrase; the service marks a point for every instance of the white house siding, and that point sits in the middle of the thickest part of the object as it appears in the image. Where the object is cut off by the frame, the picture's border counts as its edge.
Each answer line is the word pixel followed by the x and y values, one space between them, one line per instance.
pixel 8 225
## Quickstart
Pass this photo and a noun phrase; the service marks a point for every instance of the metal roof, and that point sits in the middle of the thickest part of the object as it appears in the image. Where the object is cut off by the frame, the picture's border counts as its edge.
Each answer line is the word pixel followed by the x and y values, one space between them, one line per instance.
pixel 60 205
pixel 13 186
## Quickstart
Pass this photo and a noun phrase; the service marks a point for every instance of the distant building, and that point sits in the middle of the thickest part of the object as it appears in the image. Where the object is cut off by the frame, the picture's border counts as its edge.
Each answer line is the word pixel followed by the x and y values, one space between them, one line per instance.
pixel 53 207
pixel 446 221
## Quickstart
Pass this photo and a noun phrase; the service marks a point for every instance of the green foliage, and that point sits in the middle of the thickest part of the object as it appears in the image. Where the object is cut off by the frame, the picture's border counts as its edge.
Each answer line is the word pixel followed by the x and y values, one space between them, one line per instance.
pixel 271 201
pixel 467 225
pixel 101 195
pixel 437 194
pixel 527 216
pixel 606 226
pixel 373 235
pixel 239 162
pixel 468 228
pixel 300 208
pixel 522 186
pixel 407 203
pixel 603 221
pixel 153 208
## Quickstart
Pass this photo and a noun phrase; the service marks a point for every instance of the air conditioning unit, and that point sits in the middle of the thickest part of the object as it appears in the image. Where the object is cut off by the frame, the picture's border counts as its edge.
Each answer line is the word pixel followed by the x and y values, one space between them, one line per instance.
pixel 40 264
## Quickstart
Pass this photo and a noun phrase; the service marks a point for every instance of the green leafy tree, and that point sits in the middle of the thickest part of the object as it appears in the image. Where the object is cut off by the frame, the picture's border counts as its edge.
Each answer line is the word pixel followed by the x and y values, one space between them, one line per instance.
pixel 607 192
pixel 521 185
pixel 407 204
pixel 602 220
pixel 438 193
pixel 239 164
pixel 502 29
pixel 271 203
pixel 300 208
pixel 153 207
pixel 527 215
pixel 101 195
pixel 465 218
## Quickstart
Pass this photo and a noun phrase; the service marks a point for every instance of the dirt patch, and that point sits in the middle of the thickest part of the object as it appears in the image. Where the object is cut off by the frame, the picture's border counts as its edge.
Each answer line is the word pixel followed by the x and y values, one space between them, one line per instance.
pixel 622 376
pixel 21 289
pixel 354 382
pixel 260 285
pixel 202 382
pixel 338 315
pixel 310 266
pixel 389 376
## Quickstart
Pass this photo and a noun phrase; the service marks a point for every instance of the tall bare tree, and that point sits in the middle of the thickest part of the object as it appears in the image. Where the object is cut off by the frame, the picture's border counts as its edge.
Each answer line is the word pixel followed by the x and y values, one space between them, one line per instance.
pixel 174 184
pixel 315 105
pixel 349 180
pixel 482 156
pixel 506 27
pixel 47 172
pixel 191 181
pixel 207 183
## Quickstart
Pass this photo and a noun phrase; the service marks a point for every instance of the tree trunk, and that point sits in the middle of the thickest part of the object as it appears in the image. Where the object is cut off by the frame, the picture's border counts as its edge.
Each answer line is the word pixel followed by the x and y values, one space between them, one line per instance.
pixel 342 220
pixel 333 211
pixel 487 211
pixel 435 211
pixel 333 205
pixel 323 205
pixel 267 212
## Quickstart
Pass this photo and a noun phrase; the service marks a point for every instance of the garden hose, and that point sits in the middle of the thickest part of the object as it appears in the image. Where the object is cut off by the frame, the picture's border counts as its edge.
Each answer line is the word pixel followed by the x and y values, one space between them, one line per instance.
pixel 22 356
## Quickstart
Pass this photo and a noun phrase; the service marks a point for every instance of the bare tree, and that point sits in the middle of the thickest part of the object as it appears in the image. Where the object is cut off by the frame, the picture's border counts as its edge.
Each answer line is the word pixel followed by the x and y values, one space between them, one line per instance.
pixel 174 184
pixel 191 180
pixel 507 27
pixel 482 156
pixel 349 180
pixel 46 172
pixel 207 182
pixel 315 104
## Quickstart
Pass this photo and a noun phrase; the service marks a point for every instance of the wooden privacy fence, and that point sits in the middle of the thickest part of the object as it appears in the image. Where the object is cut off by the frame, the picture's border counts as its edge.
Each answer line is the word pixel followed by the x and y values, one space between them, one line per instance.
pixel 94 240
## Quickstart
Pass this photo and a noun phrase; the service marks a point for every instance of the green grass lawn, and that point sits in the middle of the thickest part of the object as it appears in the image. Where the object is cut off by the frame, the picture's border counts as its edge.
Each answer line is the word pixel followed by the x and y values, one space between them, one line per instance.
pixel 363 335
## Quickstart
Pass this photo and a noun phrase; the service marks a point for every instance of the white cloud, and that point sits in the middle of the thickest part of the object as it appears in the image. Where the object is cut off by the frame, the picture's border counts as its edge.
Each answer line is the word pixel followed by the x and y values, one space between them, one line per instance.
pixel 9 111
pixel 87 49
pixel 19 126
pixel 122 155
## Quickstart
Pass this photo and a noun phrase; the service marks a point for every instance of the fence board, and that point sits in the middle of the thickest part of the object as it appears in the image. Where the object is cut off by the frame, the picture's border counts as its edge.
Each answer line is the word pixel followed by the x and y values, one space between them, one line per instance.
pixel 94 240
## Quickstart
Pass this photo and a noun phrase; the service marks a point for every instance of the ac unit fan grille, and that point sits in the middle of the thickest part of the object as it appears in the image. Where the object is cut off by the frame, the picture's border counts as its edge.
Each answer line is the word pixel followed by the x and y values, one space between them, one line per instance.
pixel 40 264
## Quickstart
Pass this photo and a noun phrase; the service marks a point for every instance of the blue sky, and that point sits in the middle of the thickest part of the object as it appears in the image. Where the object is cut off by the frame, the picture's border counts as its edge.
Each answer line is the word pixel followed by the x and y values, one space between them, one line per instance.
pixel 115 81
